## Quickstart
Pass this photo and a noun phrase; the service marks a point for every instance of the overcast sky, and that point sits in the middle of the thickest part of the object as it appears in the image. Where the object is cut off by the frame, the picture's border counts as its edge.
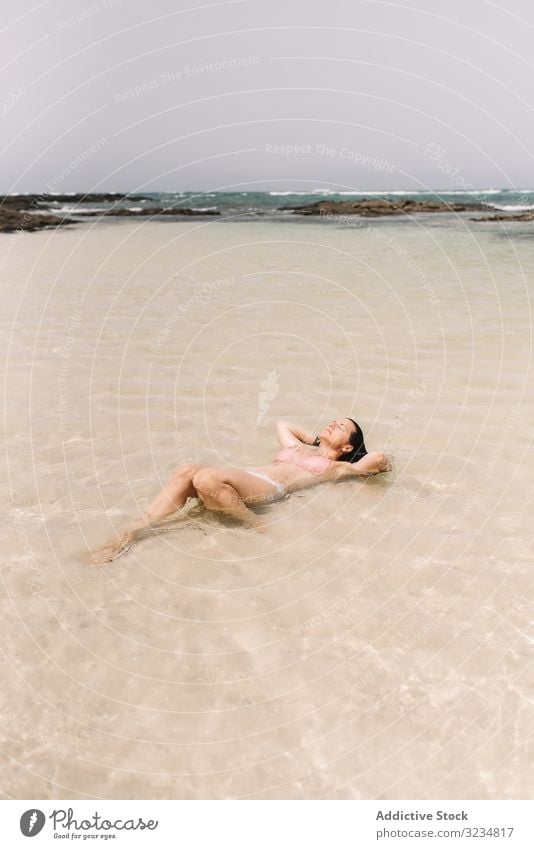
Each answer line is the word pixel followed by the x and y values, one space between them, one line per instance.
pixel 124 95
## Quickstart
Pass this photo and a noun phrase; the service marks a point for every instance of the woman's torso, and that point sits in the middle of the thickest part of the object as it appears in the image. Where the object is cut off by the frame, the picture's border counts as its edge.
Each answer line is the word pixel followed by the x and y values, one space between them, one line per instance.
pixel 298 467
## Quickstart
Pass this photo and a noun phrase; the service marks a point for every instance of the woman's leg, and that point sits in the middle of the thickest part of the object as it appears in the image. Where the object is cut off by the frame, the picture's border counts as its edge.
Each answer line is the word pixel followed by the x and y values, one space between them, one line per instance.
pixel 174 494
pixel 224 490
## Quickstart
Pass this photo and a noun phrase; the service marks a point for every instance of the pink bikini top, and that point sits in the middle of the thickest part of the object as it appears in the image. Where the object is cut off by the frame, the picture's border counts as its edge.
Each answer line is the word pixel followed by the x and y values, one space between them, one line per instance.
pixel 316 465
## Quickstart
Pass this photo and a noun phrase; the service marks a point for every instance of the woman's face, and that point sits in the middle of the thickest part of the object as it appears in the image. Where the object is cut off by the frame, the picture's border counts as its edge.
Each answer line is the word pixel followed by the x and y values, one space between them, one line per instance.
pixel 337 434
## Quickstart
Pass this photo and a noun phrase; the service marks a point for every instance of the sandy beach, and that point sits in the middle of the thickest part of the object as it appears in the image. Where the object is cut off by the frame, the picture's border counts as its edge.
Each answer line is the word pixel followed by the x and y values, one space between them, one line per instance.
pixel 376 643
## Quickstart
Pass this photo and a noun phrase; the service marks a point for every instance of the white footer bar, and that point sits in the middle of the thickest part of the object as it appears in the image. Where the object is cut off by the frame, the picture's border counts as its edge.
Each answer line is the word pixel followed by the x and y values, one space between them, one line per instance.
pixel 268 824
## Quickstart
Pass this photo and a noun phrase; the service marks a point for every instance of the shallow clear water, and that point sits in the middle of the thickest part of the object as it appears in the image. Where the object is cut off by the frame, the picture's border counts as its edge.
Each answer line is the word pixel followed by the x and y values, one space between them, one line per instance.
pixel 376 643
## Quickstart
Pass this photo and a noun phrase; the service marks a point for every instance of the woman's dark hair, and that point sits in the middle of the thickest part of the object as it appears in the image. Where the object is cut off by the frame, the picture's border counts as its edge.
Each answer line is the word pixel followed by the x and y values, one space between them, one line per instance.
pixel 358 445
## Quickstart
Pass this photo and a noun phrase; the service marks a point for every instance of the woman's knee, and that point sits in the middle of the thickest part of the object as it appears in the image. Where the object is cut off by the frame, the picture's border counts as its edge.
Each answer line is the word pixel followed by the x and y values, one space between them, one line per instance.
pixel 204 479
pixel 187 470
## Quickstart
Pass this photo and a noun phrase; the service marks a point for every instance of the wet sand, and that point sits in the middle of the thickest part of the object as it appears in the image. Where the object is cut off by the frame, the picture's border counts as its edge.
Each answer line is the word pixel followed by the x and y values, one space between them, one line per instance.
pixel 376 643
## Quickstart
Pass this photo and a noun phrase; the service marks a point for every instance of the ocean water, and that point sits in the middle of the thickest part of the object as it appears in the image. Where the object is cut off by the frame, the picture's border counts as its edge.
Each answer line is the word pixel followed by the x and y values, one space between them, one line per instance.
pixel 377 642
pixel 247 205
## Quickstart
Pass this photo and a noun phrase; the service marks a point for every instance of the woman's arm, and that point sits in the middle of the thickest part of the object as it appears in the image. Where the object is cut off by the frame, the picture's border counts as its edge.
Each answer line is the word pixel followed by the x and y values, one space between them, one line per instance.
pixel 290 434
pixel 371 464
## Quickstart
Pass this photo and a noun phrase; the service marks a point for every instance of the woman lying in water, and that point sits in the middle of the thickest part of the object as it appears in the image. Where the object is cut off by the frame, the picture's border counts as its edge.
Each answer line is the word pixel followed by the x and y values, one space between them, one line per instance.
pixel 336 454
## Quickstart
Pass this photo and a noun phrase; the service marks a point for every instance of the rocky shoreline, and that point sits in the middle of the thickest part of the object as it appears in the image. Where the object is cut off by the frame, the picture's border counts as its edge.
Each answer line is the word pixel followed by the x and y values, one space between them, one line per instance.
pixel 39 211
pixel 152 212
pixel 520 216
pixel 36 212
pixel 379 207
pixel 45 200
pixel 374 207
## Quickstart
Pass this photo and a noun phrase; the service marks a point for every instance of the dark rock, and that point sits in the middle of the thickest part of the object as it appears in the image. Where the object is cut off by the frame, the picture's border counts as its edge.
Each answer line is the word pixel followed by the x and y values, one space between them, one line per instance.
pixel 40 200
pixel 520 216
pixel 373 207
pixel 12 220
pixel 17 212
pixel 150 211
pixel 93 198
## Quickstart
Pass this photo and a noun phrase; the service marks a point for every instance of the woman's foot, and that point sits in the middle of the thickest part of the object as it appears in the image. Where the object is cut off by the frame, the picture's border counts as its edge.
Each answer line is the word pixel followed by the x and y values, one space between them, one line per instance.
pixel 113 550
pixel 261 527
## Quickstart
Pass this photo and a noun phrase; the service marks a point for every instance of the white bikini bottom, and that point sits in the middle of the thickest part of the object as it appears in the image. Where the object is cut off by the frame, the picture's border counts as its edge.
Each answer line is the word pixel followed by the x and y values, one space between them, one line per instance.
pixel 280 489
